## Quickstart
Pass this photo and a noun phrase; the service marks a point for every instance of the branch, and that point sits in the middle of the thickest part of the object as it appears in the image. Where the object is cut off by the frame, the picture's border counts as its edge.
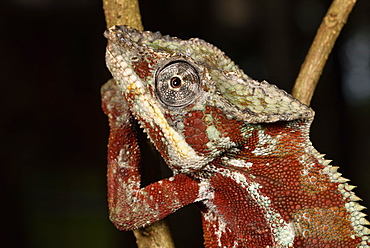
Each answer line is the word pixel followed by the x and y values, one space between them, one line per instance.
pixel 156 235
pixel 320 49
pixel 127 12
pixel 122 12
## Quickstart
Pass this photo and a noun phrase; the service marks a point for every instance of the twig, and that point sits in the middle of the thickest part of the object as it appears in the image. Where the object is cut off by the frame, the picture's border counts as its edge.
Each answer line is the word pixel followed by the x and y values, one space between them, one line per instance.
pixel 320 49
pixel 122 12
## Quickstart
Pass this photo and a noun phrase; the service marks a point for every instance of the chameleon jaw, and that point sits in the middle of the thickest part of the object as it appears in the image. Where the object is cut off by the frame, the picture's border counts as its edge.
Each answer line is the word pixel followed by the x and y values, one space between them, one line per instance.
pixel 181 154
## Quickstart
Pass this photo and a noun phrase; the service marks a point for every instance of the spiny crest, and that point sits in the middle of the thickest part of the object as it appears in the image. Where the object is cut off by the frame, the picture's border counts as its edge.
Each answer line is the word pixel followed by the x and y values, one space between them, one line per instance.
pixel 198 49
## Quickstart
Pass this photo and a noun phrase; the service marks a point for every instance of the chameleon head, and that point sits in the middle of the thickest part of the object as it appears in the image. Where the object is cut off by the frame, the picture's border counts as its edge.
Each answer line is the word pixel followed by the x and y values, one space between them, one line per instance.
pixel 189 96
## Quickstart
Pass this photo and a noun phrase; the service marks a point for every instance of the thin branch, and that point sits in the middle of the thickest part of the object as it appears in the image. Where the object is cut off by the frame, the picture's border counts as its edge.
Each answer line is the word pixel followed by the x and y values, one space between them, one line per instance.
pixel 122 12
pixel 320 49
pixel 156 235
pixel 127 12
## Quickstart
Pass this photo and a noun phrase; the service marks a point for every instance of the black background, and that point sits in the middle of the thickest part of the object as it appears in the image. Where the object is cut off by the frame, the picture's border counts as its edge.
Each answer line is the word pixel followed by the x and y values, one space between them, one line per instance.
pixel 54 134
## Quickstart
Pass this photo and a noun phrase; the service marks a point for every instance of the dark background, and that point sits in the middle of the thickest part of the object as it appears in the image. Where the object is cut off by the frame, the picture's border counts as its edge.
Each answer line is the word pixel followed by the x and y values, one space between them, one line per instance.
pixel 54 134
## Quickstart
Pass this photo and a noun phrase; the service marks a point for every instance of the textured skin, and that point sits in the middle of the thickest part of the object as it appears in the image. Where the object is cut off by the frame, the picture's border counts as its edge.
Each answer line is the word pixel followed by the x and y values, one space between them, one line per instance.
pixel 238 147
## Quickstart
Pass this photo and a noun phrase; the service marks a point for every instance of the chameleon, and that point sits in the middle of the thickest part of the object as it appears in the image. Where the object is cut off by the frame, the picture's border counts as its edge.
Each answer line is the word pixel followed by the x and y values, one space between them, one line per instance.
pixel 238 148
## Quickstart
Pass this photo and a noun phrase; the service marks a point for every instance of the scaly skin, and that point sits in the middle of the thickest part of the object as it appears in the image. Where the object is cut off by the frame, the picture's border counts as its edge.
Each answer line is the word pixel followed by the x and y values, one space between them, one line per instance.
pixel 238 148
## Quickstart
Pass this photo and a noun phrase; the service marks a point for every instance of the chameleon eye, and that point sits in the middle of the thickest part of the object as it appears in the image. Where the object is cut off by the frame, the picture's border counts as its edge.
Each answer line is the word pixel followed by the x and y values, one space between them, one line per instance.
pixel 177 84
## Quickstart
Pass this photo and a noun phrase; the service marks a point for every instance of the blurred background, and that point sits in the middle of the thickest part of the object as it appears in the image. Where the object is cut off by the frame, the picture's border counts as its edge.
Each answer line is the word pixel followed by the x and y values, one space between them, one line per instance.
pixel 54 133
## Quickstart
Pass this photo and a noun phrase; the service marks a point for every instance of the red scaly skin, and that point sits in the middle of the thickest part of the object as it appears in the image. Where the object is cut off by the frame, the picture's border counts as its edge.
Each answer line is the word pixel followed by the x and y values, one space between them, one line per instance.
pixel 137 206
pixel 239 148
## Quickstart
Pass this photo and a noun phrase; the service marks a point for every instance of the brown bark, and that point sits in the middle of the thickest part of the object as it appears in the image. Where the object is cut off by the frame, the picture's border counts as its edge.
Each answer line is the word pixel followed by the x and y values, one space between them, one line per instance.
pixel 122 12
pixel 156 235
pixel 320 49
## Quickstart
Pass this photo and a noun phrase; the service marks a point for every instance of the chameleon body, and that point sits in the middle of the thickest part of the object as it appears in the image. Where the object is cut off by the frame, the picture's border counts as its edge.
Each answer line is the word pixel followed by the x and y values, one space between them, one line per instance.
pixel 238 148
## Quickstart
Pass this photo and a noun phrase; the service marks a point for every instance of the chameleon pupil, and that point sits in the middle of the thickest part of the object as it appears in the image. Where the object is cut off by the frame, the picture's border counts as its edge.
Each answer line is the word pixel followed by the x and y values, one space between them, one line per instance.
pixel 175 82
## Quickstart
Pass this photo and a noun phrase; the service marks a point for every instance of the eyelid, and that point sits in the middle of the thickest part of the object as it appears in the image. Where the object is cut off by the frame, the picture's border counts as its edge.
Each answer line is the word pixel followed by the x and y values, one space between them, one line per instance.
pixel 177 96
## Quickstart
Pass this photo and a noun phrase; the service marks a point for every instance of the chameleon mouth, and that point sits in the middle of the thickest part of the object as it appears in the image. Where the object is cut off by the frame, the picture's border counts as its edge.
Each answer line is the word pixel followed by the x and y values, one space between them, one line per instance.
pixel 152 116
